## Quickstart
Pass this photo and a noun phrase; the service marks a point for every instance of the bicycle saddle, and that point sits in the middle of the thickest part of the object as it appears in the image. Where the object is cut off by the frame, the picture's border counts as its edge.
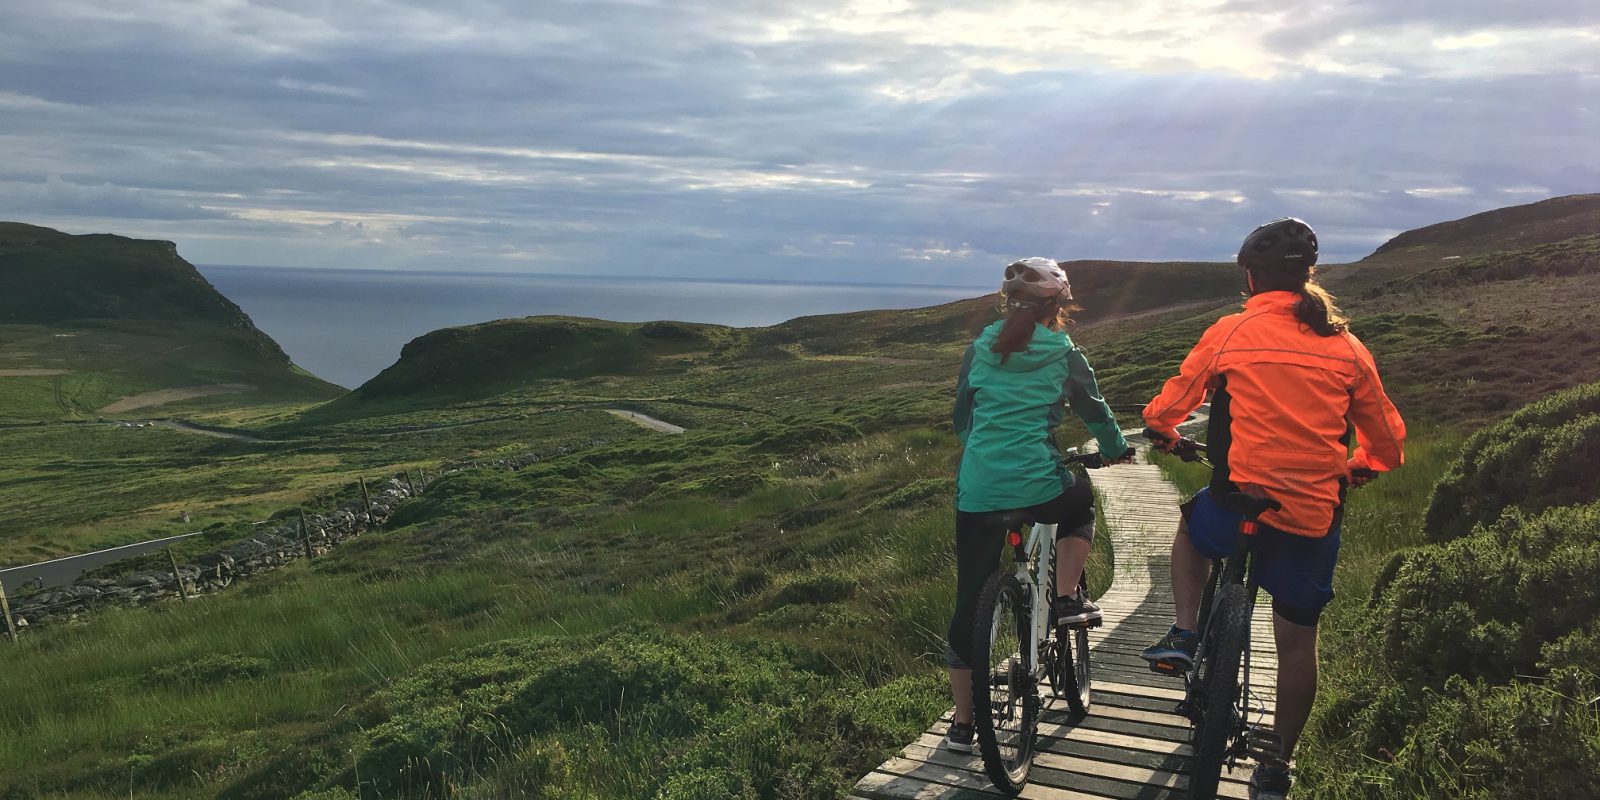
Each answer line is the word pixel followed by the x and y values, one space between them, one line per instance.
pixel 1014 520
pixel 1249 505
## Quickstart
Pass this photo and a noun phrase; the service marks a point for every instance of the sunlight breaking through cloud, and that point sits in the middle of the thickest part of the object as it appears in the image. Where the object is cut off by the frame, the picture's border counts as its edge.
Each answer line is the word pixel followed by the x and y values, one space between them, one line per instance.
pixel 495 135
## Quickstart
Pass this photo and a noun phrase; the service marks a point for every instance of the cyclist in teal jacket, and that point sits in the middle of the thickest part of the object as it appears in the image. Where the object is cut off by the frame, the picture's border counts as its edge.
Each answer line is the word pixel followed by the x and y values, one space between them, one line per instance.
pixel 1017 381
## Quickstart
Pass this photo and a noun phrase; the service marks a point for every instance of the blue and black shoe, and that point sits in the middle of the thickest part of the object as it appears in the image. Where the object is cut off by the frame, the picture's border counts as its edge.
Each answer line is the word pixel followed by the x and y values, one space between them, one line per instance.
pixel 1176 649
pixel 1270 781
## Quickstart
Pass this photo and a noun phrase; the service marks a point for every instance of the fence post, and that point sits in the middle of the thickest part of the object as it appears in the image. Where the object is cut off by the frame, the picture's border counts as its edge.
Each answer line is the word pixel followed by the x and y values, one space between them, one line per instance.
pixel 5 605
pixel 413 486
pixel 177 576
pixel 366 499
pixel 303 537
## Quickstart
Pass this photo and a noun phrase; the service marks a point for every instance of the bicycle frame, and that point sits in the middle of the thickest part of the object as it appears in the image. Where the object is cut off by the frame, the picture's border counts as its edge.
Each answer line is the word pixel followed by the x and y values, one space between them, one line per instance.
pixel 1035 559
pixel 1233 568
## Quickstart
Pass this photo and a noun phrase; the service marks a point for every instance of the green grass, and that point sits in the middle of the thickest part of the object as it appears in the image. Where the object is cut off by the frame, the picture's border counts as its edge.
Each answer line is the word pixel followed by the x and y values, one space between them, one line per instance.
pixel 753 608
pixel 117 317
pixel 857 597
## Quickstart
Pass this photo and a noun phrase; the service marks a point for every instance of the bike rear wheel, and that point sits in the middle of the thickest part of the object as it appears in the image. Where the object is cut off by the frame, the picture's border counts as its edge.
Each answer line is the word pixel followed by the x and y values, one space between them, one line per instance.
pixel 1005 699
pixel 1219 723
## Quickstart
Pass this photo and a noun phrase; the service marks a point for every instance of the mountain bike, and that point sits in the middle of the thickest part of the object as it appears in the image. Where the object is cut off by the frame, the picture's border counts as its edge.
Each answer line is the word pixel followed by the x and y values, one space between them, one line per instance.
pixel 1016 647
pixel 1217 699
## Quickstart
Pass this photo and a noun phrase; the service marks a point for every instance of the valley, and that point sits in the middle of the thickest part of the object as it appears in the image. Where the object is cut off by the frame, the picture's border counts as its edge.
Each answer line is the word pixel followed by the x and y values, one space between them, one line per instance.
pixel 748 597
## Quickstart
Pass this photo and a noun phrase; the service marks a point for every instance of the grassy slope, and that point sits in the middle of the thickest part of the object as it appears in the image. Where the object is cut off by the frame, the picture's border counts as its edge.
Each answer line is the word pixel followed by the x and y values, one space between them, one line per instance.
pixel 806 508
pixel 807 503
pixel 115 317
pixel 535 383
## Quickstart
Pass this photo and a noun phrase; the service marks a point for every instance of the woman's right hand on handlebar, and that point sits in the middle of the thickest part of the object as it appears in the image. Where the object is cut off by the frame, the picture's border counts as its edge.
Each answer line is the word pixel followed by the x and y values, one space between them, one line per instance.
pixel 1359 476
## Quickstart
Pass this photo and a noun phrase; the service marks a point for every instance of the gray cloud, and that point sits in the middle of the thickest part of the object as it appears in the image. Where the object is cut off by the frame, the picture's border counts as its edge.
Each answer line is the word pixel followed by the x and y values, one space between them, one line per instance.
pixel 769 138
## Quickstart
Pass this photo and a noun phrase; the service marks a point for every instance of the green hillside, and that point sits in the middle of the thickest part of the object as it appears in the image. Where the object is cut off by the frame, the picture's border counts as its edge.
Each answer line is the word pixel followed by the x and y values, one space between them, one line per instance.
pixel 1503 229
pixel 754 607
pixel 89 321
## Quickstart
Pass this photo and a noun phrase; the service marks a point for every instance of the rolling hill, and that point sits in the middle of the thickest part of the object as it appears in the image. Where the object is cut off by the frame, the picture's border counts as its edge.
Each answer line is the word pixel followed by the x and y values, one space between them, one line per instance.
pixel 753 607
pixel 99 324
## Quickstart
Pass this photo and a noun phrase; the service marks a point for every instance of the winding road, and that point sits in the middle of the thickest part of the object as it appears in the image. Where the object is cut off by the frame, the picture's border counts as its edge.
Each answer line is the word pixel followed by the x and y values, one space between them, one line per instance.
pixel 65 570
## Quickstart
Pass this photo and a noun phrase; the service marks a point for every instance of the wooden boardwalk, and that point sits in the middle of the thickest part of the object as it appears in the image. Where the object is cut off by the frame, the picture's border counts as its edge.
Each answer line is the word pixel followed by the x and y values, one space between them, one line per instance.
pixel 1130 746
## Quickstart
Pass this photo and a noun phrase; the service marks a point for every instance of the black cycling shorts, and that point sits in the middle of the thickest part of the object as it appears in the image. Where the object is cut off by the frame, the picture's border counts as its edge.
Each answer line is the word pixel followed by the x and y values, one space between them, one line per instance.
pixel 980 540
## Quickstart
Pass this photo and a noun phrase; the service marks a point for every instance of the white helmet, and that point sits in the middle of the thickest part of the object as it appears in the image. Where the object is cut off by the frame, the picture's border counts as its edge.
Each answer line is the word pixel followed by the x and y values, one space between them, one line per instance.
pixel 1035 279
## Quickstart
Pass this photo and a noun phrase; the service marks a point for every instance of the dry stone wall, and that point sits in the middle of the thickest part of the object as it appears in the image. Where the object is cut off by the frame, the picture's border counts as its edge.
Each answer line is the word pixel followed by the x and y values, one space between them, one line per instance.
pixel 281 544
pixel 263 552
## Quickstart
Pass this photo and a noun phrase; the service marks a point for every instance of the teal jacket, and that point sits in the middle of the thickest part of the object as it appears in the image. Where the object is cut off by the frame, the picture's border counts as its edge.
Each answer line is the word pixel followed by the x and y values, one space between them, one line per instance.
pixel 1005 415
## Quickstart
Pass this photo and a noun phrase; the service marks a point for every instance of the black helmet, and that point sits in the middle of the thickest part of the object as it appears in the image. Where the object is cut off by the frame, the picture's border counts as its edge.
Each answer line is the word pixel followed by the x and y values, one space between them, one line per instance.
pixel 1286 242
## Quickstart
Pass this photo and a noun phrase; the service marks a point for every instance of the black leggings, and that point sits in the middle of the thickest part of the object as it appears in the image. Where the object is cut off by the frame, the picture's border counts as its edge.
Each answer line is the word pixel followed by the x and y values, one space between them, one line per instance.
pixel 979 539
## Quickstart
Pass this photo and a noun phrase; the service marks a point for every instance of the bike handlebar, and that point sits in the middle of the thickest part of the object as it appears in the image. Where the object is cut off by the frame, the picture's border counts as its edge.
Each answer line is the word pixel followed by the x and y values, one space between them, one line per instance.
pixel 1094 460
pixel 1248 505
pixel 1184 448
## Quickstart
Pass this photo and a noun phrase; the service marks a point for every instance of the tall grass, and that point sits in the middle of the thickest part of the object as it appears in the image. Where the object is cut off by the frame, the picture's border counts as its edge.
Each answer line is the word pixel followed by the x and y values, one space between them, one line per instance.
pixel 200 699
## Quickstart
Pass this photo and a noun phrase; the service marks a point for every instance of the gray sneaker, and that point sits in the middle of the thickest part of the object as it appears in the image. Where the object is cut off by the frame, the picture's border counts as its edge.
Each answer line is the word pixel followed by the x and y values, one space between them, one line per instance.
pixel 959 737
pixel 1076 610
pixel 1270 781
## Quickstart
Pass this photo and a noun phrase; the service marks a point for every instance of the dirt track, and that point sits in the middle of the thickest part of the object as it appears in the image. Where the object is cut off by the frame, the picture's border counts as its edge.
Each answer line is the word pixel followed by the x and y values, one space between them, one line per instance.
pixel 164 396
pixel 647 421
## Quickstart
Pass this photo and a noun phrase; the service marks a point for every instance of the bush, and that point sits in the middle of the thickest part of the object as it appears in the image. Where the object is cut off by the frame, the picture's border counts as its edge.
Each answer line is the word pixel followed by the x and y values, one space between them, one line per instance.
pixel 1475 675
pixel 1484 606
pixel 1540 457
pixel 1474 740
pixel 442 720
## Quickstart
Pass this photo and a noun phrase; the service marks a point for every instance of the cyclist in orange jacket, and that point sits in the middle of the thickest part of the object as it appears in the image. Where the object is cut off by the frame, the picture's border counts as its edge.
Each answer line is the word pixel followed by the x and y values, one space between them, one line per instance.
pixel 1288 382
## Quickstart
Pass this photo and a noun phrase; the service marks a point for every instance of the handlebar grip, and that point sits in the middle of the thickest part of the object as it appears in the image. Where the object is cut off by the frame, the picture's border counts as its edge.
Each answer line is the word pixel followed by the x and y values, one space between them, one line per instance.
pixel 1366 473
pixel 1155 436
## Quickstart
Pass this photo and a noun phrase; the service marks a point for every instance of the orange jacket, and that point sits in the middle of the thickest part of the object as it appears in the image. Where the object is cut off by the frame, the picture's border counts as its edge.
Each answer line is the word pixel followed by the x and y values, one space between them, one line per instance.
pixel 1294 395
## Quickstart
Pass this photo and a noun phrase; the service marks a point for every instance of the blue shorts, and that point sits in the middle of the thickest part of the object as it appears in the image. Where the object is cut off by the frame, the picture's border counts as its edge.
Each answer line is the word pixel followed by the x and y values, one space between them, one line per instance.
pixel 1296 570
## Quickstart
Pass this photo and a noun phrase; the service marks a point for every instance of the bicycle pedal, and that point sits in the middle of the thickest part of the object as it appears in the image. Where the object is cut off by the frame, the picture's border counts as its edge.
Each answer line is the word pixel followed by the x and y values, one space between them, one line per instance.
pixel 1170 669
pixel 1263 744
pixel 1086 623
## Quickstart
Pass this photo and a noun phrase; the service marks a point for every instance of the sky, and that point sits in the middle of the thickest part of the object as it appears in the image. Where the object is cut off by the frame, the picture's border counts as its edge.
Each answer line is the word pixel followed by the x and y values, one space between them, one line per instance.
pixel 885 141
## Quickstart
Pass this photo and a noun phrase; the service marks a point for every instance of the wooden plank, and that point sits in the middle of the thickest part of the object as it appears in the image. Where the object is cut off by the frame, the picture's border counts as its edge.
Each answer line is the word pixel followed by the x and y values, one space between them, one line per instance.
pixel 1130 746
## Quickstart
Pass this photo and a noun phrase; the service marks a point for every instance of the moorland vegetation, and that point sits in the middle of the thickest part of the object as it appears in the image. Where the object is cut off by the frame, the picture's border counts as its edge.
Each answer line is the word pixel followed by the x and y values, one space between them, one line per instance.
pixel 754 607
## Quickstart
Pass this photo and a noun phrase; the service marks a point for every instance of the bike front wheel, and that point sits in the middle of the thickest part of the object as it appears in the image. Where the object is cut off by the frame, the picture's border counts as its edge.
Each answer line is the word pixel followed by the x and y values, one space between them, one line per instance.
pixel 1221 654
pixel 1005 699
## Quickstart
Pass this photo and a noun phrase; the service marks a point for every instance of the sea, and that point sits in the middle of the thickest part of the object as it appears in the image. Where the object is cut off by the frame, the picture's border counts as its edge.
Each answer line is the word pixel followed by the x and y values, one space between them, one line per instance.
pixel 346 325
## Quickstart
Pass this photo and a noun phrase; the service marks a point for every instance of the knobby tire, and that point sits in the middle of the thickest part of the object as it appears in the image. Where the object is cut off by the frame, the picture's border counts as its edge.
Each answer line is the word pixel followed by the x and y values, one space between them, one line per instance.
pixel 1070 676
pixel 1219 680
pixel 1005 701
